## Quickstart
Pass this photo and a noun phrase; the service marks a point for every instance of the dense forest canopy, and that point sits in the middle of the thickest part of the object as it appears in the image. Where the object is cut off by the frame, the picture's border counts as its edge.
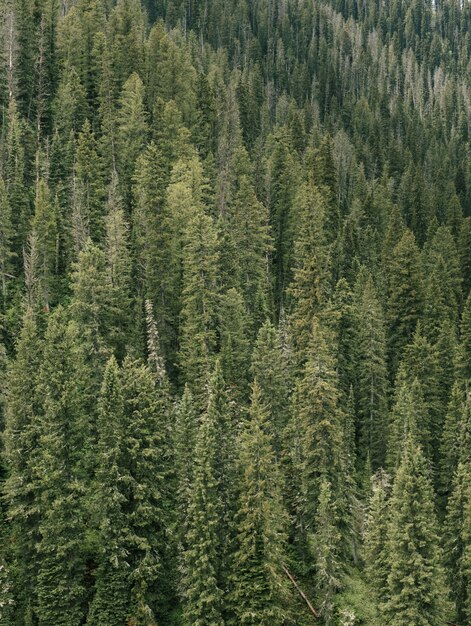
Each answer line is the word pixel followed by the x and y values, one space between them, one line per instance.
pixel 235 312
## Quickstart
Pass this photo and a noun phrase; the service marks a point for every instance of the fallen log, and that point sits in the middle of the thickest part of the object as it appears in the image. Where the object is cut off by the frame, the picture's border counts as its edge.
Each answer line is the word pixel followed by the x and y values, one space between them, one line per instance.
pixel 301 592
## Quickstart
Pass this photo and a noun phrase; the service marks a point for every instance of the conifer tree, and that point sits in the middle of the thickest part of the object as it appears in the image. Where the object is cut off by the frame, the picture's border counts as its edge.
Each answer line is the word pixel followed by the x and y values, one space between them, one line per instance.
pixel 258 585
pixel 310 279
pixel 90 288
pixel 326 548
pixel 325 177
pixel 22 486
pixel 202 595
pixel 281 183
pixel 131 133
pixel 405 296
pixel 457 538
pixel 200 301
pixel 118 267
pixel 89 182
pixel 271 369
pixel 372 383
pixel 45 225
pixel 6 236
pixel 234 341
pixel 465 338
pixel 342 320
pixel 186 429
pixel 318 421
pixel 66 416
pixel 454 429
pixel 409 415
pixel 416 582
pixel 16 180
pixel 148 512
pixel 111 602
pixel 464 246
pixel 245 240
pixel 376 537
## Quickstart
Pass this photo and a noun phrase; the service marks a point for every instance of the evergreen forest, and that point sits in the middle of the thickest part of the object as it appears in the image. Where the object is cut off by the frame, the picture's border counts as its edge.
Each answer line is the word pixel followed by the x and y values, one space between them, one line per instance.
pixel 235 312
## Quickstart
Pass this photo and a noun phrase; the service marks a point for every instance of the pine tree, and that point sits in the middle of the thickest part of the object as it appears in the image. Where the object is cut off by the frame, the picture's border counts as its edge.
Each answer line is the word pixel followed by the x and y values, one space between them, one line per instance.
pixel 416 583
pixel 326 548
pixel 131 133
pixel 372 382
pixel 66 416
pixel 200 301
pixel 111 602
pixel 202 596
pixel 376 537
pixel 89 183
pixel 318 421
pixel 45 226
pixel 405 296
pixel 186 428
pixel 310 278
pixel 234 341
pixel 118 269
pixel 409 415
pixel 271 369
pixel 465 338
pixel 21 449
pixel 258 585
pixel 6 236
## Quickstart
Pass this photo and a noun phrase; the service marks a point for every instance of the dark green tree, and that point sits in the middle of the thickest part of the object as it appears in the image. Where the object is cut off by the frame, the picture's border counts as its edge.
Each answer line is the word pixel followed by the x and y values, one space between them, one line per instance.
pixel 258 583
pixel 416 581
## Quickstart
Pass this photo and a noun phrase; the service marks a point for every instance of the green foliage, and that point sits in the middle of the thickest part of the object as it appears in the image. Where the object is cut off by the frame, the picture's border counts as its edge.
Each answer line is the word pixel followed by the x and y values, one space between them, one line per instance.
pixel 416 584
pixel 206 194
pixel 258 584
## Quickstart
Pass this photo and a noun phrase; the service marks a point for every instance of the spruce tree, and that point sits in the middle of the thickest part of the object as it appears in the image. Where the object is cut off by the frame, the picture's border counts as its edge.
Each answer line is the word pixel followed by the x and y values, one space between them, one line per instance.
pixel 454 429
pixel 202 595
pixel 409 416
pixel 111 603
pixel 131 133
pixel 258 584
pixel 45 226
pixel 416 582
pixel 456 541
pixel 118 269
pixel 23 484
pixel 235 344
pixel 184 441
pixel 6 236
pixel 200 301
pixel 310 273
pixel 325 545
pixel 64 388
pixel 371 375
pixel 89 183
pixel 465 340
pixel 405 296
pixel 318 425
pixel 271 368
pixel 376 537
